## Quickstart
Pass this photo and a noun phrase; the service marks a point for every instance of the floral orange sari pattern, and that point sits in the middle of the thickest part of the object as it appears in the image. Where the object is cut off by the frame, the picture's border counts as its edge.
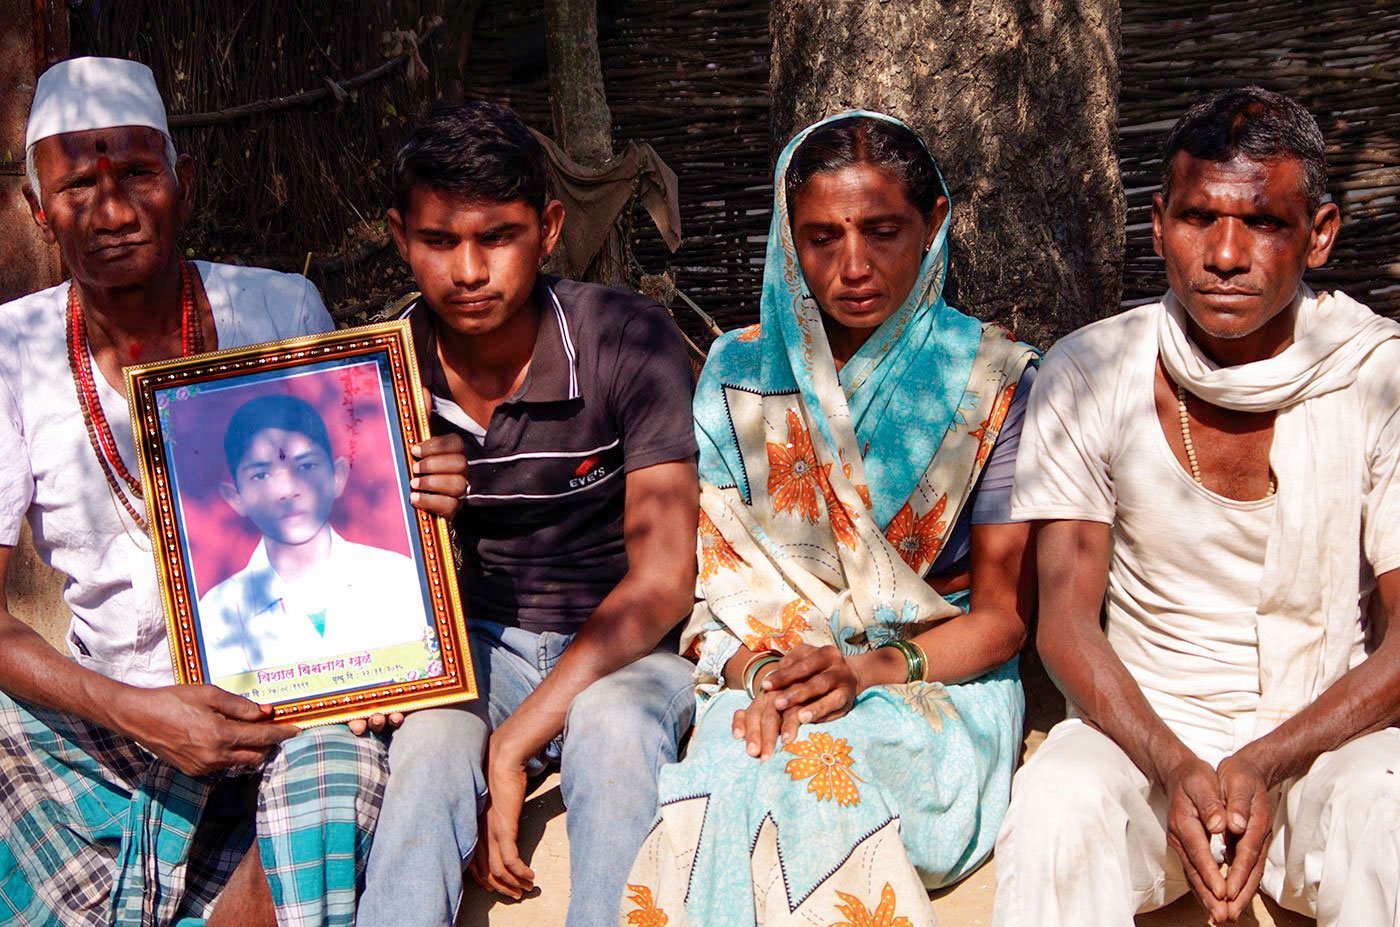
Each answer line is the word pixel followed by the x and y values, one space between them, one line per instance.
pixel 826 497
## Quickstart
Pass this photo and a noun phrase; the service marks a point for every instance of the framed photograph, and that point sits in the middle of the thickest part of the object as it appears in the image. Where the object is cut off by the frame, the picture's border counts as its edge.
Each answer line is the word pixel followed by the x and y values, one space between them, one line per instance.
pixel 293 569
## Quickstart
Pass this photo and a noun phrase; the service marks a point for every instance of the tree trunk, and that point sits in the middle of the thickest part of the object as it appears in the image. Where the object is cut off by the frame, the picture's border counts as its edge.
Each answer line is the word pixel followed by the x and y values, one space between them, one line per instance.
pixel 579 106
pixel 577 100
pixel 1018 101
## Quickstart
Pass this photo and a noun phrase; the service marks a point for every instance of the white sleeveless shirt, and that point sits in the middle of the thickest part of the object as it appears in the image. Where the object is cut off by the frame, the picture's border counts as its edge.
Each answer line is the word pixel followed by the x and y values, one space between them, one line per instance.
pixel 1186 563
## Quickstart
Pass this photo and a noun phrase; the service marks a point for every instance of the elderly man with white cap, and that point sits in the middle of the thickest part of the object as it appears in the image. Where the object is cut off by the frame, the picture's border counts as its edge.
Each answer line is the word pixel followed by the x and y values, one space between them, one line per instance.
pixel 126 799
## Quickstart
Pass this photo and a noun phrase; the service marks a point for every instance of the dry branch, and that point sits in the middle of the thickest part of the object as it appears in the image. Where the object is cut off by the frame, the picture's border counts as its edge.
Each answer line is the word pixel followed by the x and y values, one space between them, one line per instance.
pixel 334 89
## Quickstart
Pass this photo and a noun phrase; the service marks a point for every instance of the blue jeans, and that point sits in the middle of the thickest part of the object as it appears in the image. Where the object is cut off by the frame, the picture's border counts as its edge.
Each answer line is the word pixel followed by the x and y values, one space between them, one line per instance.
pixel 620 731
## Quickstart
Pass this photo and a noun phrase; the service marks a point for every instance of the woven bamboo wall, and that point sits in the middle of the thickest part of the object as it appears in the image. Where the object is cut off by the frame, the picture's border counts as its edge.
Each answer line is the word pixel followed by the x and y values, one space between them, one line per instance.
pixel 309 176
pixel 1339 58
pixel 690 76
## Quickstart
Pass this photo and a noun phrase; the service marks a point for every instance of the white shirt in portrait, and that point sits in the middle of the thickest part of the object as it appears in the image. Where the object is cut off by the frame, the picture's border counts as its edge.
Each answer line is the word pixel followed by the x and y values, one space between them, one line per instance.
pixel 359 598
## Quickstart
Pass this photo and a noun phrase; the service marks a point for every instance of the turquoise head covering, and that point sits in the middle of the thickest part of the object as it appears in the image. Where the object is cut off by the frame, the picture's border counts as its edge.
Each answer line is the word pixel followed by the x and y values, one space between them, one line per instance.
pixel 899 393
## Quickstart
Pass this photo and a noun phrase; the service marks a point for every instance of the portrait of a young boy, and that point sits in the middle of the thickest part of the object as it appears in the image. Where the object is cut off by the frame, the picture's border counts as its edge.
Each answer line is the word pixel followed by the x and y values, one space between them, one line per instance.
pixel 306 592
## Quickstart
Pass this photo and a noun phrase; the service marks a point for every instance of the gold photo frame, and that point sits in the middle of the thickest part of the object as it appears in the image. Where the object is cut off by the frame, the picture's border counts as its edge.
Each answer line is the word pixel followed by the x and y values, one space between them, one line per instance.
pixel 276 480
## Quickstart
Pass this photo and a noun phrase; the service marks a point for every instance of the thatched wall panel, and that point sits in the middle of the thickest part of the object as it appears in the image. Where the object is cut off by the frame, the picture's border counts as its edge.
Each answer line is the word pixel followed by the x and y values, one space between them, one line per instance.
pixel 274 186
pixel 1339 58
pixel 690 76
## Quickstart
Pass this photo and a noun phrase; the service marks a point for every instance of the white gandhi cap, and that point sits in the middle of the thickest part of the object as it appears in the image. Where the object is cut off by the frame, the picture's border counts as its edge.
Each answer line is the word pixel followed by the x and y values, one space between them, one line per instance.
pixel 94 93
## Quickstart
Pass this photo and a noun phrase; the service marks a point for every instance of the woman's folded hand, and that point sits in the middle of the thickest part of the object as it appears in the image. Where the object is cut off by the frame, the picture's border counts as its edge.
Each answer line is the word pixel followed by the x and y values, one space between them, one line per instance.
pixel 758 724
pixel 811 685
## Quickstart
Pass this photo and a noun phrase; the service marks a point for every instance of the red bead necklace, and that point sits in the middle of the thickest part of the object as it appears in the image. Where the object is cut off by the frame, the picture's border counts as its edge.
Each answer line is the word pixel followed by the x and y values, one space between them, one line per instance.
pixel 104 445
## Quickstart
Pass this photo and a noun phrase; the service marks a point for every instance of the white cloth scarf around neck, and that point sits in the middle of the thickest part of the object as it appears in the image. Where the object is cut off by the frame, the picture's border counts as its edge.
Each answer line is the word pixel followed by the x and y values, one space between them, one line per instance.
pixel 1309 591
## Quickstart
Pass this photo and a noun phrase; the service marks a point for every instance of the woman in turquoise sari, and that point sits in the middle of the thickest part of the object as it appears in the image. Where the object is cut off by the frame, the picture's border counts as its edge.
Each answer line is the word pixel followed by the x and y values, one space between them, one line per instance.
pixel 863 594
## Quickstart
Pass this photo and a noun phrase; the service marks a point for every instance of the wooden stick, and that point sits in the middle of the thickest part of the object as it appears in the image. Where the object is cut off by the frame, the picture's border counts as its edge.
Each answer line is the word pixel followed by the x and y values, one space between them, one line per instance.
pixel 305 98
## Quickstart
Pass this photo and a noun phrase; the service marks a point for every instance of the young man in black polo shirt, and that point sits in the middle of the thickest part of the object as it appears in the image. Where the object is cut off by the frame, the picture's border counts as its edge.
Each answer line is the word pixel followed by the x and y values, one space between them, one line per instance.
pixel 578 532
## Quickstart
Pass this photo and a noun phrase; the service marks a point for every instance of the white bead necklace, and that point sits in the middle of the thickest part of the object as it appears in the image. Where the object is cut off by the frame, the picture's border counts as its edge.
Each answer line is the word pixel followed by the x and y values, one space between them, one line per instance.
pixel 1191 447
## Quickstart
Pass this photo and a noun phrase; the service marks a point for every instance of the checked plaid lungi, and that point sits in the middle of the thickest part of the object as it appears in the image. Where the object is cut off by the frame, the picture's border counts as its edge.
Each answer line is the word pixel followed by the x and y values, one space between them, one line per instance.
pixel 96 831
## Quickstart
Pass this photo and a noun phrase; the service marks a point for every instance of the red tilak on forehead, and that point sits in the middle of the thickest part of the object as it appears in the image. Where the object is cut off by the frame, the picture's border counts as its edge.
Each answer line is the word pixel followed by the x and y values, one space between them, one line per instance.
pixel 103 164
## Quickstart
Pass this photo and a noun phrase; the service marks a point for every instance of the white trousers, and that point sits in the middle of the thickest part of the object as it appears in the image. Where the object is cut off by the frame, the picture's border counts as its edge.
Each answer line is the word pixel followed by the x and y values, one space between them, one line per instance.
pixel 1084 841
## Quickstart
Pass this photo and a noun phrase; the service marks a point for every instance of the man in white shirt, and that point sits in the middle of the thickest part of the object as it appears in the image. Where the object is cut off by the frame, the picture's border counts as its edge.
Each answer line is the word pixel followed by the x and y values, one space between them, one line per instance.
pixel 306 592
pixel 114 806
pixel 1216 474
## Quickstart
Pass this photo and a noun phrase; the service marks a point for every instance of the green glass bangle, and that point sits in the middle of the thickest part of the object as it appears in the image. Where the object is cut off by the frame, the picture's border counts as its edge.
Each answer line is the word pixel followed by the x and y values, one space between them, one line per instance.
pixel 752 672
pixel 913 660
pixel 923 661
pixel 916 661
